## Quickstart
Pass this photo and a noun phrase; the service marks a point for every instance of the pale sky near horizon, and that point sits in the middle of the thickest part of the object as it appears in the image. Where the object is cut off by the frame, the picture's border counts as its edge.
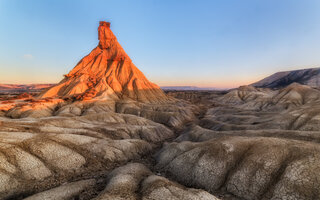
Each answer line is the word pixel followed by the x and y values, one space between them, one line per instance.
pixel 213 43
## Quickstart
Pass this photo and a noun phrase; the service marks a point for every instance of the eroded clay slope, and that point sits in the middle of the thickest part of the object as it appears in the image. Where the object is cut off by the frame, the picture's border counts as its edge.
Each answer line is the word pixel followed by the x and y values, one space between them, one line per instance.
pixel 250 143
pixel 247 167
pixel 106 73
pixel 36 154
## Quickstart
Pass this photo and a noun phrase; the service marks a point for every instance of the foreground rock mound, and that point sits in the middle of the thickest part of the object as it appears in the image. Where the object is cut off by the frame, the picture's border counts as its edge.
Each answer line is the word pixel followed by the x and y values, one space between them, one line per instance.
pixel 135 180
pixel 248 168
pixel 130 182
pixel 36 154
pixel 106 73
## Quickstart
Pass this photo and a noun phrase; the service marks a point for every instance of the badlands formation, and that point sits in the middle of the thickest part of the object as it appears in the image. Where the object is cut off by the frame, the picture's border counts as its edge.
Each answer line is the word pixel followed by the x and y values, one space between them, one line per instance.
pixel 106 132
pixel 106 73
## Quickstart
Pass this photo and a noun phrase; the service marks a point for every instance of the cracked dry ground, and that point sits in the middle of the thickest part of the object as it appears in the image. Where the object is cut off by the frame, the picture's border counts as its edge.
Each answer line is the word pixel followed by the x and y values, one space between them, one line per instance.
pixel 196 148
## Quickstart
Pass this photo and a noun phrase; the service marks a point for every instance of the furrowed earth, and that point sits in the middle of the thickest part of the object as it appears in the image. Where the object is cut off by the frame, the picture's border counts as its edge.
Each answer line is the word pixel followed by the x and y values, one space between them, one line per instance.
pixel 106 132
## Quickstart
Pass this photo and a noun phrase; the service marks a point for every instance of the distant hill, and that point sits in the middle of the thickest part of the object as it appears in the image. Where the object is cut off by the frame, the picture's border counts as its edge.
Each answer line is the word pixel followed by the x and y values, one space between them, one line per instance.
pixel 309 77
pixel 23 87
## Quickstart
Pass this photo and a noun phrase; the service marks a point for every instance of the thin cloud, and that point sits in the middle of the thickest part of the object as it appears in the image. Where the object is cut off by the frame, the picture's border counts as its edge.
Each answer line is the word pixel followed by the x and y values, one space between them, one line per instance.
pixel 28 56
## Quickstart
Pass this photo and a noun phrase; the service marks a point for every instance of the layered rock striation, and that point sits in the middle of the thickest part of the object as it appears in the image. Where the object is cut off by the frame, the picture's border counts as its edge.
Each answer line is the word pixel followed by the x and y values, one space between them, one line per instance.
pixel 106 73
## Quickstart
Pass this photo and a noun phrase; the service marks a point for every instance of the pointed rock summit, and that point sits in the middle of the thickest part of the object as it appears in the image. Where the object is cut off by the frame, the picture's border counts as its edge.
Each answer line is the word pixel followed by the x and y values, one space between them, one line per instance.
pixel 106 73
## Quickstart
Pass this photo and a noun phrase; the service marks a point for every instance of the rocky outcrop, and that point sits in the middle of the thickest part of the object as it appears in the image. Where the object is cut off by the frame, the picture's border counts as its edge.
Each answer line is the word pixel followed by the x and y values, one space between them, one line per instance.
pixel 106 80
pixel 106 73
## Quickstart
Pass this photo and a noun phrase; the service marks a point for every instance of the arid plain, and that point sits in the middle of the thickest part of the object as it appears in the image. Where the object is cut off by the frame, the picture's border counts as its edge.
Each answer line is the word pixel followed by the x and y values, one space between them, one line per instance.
pixel 106 132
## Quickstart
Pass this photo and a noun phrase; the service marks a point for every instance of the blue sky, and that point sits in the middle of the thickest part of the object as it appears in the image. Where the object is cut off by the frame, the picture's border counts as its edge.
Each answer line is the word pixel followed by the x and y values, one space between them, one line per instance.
pixel 218 43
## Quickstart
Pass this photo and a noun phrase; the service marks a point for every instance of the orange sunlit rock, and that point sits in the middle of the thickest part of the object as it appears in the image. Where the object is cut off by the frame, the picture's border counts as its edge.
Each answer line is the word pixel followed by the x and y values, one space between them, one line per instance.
pixel 24 96
pixel 106 73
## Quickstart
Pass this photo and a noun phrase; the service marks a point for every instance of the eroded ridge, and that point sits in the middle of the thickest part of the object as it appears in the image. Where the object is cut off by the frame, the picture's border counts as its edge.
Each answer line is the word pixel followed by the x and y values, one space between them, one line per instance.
pixel 250 143
pixel 248 168
pixel 41 153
